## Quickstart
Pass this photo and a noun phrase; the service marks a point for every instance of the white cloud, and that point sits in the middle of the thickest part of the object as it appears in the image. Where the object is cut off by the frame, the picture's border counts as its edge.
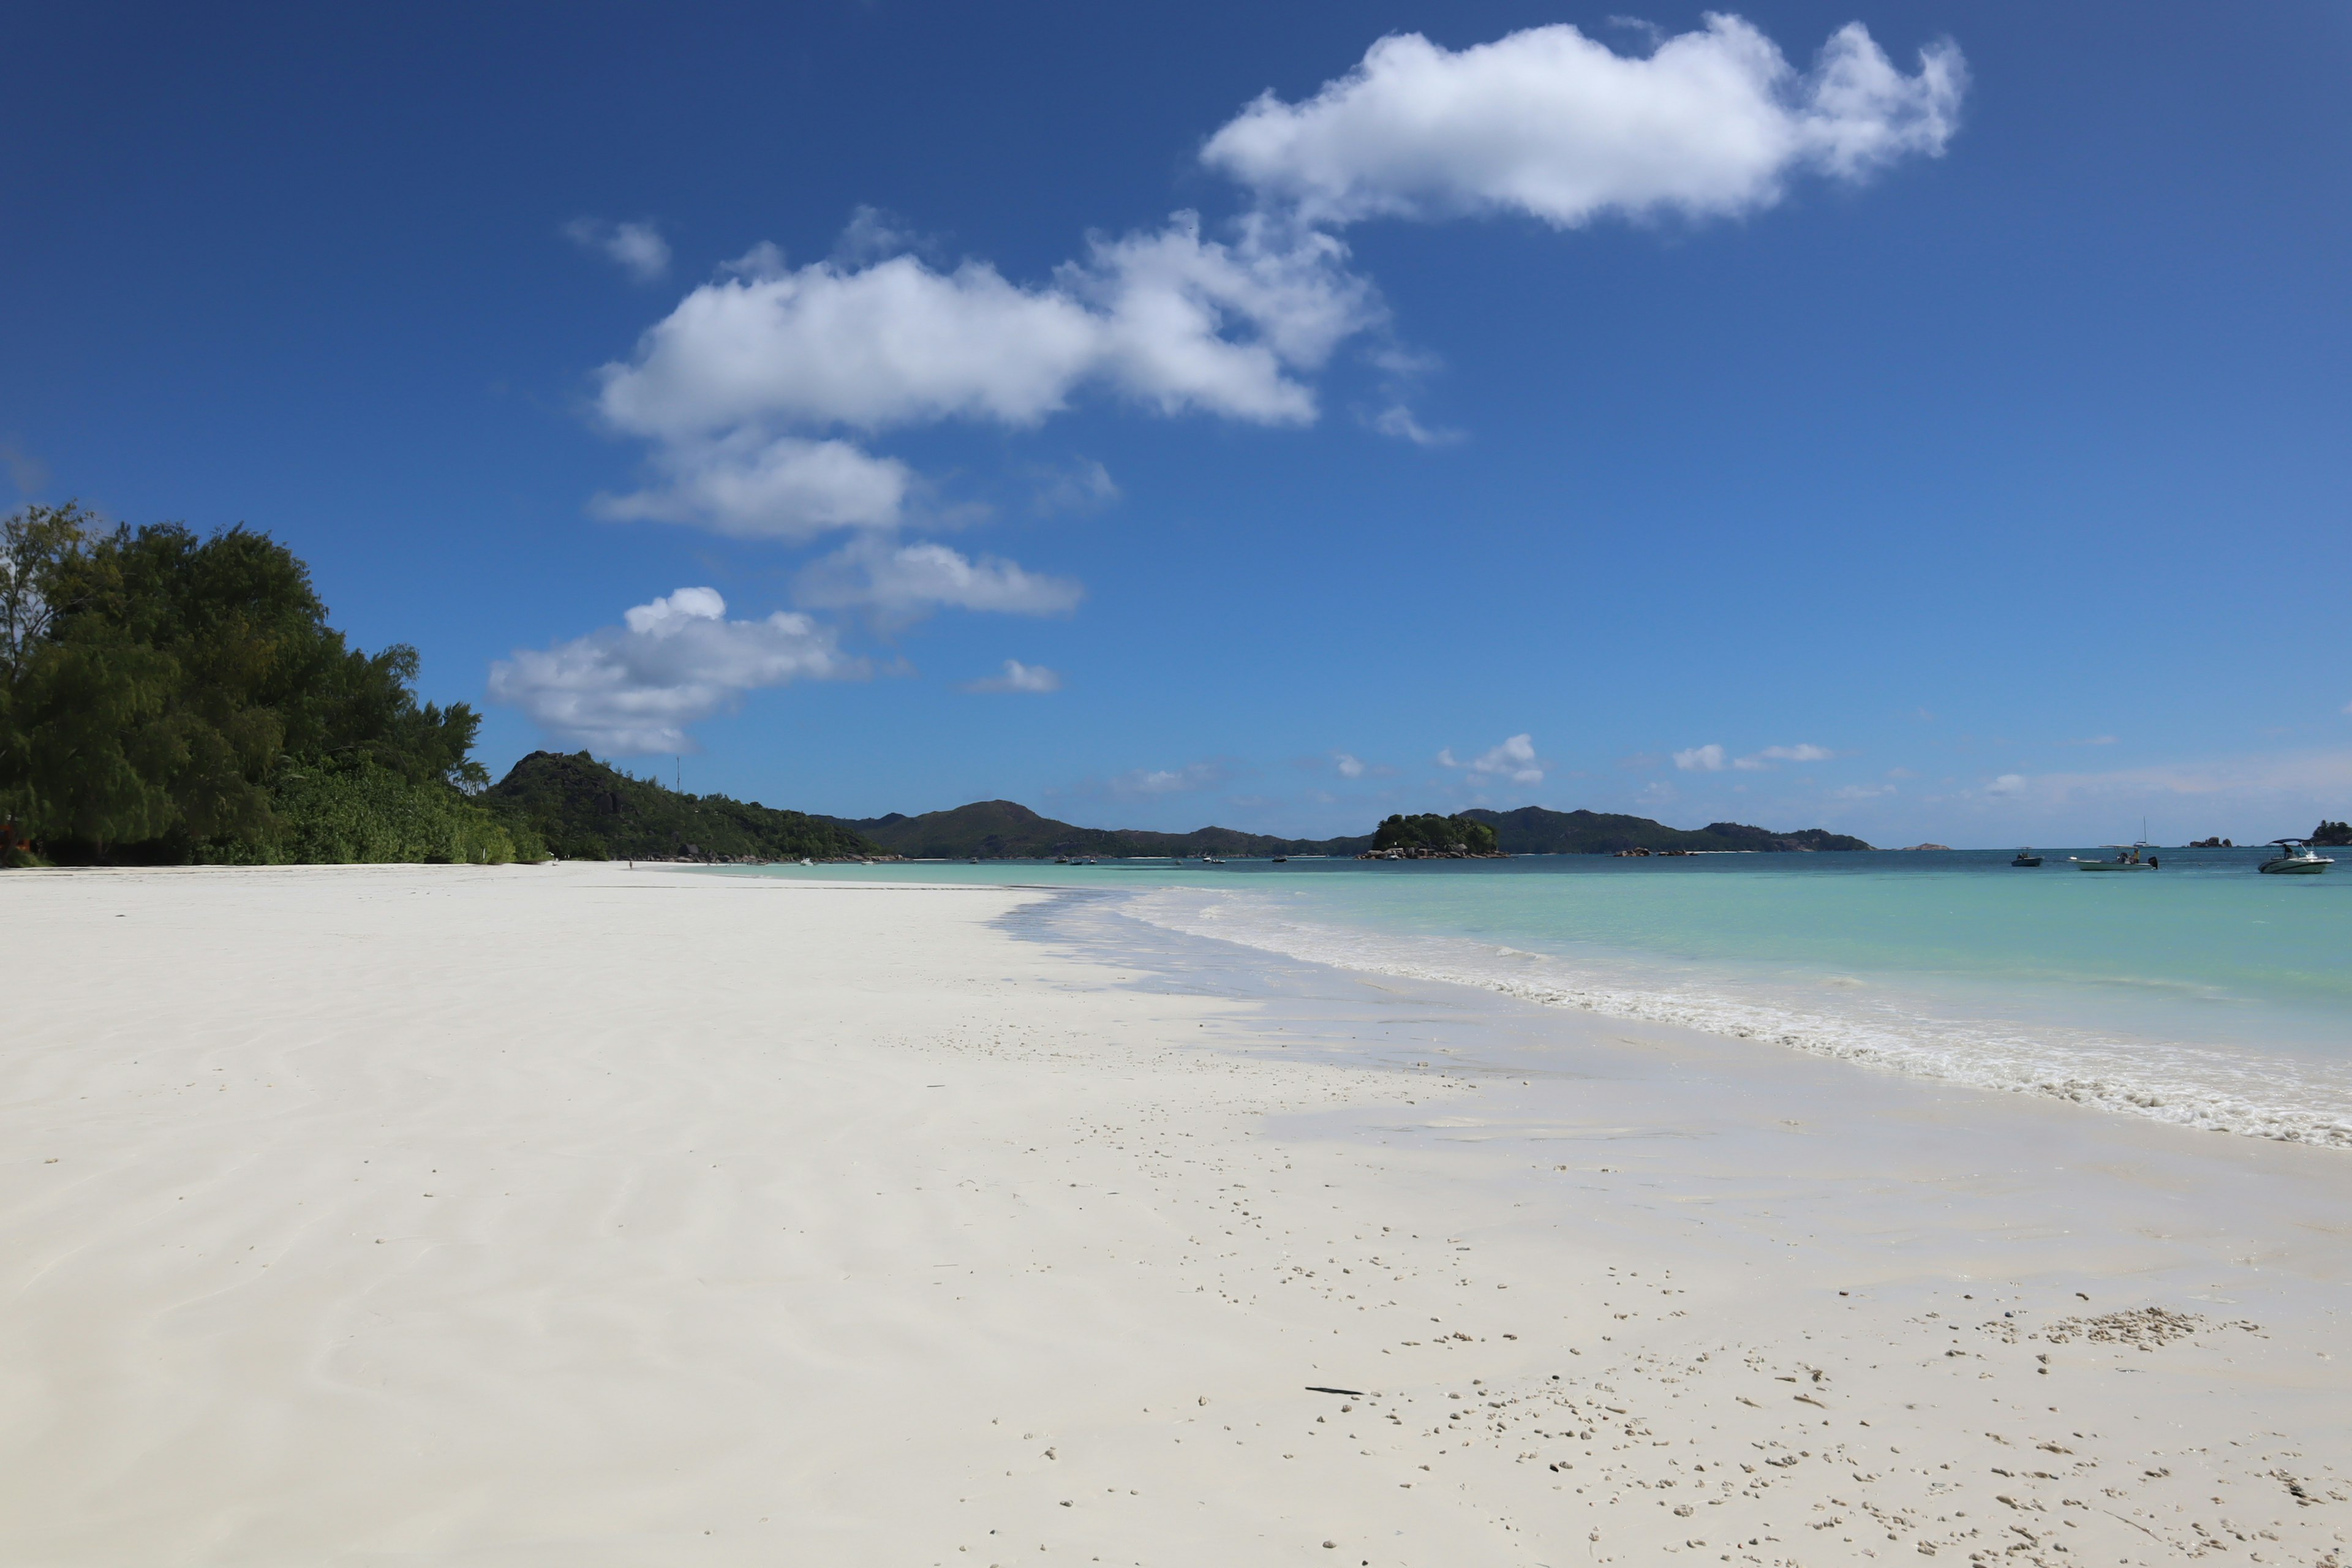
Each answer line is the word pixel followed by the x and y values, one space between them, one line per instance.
pixel 1084 485
pixel 2007 785
pixel 631 690
pixel 1143 782
pixel 731 386
pixel 902 581
pixel 761 391
pixel 1515 759
pixel 637 249
pixel 1861 792
pixel 1553 124
pixel 752 486
pixel 1400 422
pixel 1759 761
pixel 1350 768
pixel 1706 759
pixel 1018 677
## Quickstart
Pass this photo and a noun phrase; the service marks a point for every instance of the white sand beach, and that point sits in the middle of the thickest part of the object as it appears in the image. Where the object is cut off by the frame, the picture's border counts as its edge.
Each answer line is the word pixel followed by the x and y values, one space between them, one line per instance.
pixel 581 1215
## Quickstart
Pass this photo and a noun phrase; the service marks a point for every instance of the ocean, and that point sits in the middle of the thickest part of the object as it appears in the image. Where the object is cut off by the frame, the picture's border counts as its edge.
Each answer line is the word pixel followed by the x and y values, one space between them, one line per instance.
pixel 2200 994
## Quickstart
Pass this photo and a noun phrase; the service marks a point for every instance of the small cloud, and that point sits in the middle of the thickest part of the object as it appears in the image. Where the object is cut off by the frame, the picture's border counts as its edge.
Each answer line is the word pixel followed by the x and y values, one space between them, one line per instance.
pixel 1861 792
pixel 903 582
pixel 1656 793
pixel 1084 486
pixel 2007 785
pixel 1640 762
pixel 1515 759
pixel 1798 753
pixel 1349 767
pixel 1706 759
pixel 1901 773
pixel 632 688
pixel 749 486
pixel 637 249
pixel 1018 677
pixel 1398 421
pixel 1141 782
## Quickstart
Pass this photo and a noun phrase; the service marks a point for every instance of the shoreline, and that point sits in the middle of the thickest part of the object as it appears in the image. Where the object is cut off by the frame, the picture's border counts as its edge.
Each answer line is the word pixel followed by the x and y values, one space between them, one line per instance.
pixel 575 1215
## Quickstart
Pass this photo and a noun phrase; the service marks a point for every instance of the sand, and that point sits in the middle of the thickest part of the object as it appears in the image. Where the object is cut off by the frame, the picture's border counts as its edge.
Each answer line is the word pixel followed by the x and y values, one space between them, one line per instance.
pixel 586 1216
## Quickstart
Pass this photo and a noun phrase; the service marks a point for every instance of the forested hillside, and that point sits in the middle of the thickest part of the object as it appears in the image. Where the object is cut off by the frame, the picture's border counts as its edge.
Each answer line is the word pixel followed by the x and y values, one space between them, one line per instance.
pixel 589 810
pixel 1532 830
pixel 1002 829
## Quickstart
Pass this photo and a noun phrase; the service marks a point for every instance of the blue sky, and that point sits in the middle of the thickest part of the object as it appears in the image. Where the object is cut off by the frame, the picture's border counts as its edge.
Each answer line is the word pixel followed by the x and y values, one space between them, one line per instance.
pixel 1941 437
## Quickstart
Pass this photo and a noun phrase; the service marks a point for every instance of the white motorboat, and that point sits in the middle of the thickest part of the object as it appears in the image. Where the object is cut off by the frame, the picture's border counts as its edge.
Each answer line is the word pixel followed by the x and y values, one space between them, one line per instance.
pixel 2296 858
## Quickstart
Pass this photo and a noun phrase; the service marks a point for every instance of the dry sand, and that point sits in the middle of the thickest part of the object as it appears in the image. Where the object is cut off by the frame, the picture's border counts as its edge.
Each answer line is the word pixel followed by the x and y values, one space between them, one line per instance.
pixel 582 1217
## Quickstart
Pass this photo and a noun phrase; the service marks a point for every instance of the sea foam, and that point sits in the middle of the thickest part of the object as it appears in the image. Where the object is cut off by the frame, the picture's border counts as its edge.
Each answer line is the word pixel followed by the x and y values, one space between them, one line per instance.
pixel 2293 1100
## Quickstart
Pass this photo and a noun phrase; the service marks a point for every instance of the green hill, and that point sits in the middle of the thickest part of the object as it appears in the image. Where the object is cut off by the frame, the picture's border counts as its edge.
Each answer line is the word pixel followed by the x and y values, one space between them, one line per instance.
pixel 1004 830
pixel 586 810
pixel 1532 830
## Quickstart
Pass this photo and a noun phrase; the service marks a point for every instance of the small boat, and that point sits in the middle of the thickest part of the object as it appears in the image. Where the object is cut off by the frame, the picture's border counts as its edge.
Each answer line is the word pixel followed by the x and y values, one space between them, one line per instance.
pixel 2128 859
pixel 1281 859
pixel 2026 857
pixel 2296 858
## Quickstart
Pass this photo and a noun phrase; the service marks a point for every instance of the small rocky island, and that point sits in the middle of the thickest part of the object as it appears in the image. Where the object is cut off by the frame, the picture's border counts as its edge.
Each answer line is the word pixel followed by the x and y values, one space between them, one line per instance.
pixel 1430 836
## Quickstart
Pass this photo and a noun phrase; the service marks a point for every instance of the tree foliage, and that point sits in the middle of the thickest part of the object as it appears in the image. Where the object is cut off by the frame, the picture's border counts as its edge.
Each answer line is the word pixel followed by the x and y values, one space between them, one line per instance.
pixel 167 696
pixel 1440 835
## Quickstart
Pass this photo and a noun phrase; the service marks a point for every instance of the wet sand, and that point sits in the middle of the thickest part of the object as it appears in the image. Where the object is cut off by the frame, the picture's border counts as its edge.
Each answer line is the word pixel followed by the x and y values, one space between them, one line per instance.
pixel 581 1216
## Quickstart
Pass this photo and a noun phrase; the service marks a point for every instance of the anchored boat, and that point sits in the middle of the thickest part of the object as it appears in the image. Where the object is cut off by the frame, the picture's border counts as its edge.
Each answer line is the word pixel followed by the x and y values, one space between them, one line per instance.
pixel 2296 858
pixel 2128 859
pixel 2026 857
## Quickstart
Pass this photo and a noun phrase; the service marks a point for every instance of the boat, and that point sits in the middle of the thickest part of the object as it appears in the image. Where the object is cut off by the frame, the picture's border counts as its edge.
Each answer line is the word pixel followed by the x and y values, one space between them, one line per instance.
pixel 2026 857
pixel 1282 859
pixel 2296 858
pixel 2128 859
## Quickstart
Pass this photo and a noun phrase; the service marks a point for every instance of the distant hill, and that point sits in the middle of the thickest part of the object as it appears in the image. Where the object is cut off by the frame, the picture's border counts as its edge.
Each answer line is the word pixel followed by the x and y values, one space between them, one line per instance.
pixel 1004 830
pixel 1532 830
pixel 587 810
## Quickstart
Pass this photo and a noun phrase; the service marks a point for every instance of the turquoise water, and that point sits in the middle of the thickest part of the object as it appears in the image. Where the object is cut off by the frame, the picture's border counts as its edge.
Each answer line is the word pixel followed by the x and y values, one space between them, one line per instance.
pixel 2201 993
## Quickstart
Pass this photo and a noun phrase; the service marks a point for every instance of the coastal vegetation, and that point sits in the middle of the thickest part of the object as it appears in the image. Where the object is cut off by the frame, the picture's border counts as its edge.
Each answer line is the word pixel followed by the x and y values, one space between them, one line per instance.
pixel 1429 836
pixel 167 697
pixel 583 809
pixel 2332 832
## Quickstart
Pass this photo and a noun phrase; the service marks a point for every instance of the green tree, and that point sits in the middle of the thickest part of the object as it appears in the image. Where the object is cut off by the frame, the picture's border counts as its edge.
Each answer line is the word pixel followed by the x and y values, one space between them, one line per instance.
pixel 165 694
pixel 1432 832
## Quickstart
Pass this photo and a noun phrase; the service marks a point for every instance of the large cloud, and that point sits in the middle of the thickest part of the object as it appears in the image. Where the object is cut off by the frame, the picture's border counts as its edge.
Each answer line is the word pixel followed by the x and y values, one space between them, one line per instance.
pixel 631 690
pixel 1551 123
pixel 735 386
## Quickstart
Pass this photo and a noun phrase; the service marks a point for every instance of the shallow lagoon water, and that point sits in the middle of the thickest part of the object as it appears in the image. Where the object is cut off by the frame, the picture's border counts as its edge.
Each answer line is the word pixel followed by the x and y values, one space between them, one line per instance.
pixel 2201 993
